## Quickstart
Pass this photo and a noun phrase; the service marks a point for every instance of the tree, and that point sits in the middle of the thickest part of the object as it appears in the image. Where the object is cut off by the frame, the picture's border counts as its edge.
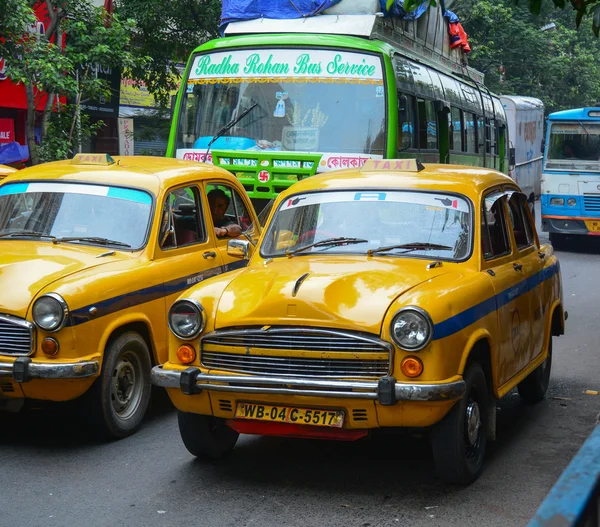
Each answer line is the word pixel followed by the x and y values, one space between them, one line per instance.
pixel 59 65
pixel 168 31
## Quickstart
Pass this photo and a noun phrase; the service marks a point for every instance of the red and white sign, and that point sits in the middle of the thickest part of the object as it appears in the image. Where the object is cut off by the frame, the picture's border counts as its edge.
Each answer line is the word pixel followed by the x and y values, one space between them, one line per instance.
pixel 7 130
pixel 264 176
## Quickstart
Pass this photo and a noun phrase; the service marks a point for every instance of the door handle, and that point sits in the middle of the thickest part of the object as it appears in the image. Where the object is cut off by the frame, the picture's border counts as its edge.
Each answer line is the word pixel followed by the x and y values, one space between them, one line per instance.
pixel 541 255
pixel 518 266
pixel 209 254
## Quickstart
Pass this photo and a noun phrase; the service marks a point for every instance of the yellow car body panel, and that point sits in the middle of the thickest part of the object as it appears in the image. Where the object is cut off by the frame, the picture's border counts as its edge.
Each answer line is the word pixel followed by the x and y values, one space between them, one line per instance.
pixel 469 303
pixel 107 289
pixel 6 171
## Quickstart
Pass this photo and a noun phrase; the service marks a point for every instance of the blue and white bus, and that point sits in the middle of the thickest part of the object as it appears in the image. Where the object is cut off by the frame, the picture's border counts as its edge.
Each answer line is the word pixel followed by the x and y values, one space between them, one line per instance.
pixel 571 174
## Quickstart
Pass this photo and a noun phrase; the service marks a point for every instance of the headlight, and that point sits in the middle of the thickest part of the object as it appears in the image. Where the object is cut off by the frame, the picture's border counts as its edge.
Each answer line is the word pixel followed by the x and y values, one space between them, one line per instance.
pixel 186 319
pixel 558 202
pixel 412 328
pixel 50 312
pixel 572 202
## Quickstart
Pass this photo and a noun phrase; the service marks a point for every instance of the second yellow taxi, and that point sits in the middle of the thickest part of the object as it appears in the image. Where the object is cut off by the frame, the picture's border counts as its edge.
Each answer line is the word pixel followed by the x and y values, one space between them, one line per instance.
pixel 392 296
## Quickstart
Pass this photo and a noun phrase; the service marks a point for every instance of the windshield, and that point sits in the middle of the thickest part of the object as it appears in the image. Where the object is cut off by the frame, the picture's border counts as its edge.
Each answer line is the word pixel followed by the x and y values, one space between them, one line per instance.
pixel 322 101
pixel 574 145
pixel 366 220
pixel 69 210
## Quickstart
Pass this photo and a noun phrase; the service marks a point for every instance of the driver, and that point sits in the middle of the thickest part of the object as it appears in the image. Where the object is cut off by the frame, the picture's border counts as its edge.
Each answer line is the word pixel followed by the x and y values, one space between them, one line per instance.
pixel 225 227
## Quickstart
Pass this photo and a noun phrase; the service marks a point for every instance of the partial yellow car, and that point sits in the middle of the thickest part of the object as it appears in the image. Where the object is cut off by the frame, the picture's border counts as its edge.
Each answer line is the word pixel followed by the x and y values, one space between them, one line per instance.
pixel 93 252
pixel 6 171
pixel 395 295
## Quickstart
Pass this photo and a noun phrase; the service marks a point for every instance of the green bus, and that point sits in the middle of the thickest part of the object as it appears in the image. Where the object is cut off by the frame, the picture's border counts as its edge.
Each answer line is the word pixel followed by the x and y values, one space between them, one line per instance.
pixel 288 99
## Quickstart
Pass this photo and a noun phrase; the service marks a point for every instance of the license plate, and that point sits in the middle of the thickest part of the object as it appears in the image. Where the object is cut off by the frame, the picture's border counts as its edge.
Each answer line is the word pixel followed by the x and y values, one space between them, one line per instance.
pixel 285 414
pixel 593 226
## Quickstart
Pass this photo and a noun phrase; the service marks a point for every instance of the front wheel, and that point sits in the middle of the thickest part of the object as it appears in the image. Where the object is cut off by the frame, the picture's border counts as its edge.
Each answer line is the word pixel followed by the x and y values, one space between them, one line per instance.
pixel 533 388
pixel 120 396
pixel 206 436
pixel 557 239
pixel 460 438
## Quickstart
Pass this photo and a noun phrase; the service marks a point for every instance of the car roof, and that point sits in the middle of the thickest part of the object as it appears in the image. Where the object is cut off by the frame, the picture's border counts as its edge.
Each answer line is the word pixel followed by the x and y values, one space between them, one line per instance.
pixel 145 172
pixel 470 181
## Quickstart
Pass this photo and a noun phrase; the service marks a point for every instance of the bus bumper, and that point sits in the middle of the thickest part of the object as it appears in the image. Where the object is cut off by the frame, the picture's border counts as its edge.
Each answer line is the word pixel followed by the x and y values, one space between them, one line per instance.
pixel 570 226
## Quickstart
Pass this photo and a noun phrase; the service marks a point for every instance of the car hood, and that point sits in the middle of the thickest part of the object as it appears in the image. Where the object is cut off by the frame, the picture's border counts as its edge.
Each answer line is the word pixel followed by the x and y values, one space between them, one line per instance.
pixel 350 292
pixel 27 267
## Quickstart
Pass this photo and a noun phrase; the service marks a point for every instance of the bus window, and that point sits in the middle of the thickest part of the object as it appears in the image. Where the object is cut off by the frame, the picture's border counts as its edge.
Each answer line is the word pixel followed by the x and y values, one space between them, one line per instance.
pixel 427 125
pixel 406 122
pixel 481 135
pixel 457 128
pixel 470 132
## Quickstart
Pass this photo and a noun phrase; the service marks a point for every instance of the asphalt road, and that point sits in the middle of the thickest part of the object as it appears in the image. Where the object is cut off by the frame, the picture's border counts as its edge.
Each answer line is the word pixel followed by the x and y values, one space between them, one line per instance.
pixel 52 473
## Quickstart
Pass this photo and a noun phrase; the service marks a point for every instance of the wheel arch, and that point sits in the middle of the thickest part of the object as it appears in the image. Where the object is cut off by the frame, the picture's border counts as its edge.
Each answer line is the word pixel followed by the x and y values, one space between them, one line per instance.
pixel 137 323
pixel 557 320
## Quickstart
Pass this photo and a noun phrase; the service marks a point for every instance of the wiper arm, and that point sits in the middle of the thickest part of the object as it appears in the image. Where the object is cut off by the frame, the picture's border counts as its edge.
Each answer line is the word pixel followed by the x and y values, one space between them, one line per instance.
pixel 91 239
pixel 228 127
pixel 32 234
pixel 411 247
pixel 329 241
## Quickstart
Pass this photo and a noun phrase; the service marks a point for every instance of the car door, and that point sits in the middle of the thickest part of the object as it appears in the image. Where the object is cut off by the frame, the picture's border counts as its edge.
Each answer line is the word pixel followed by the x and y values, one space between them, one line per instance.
pixel 531 264
pixel 238 211
pixel 186 252
pixel 499 261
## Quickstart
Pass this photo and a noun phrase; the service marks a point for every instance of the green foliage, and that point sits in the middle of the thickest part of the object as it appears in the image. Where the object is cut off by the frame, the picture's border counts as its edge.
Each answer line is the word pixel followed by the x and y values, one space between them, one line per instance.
pixel 168 31
pixel 560 67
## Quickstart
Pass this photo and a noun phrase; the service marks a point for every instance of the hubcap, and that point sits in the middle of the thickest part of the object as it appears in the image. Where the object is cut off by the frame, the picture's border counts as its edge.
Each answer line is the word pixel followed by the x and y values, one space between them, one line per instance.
pixel 126 385
pixel 473 422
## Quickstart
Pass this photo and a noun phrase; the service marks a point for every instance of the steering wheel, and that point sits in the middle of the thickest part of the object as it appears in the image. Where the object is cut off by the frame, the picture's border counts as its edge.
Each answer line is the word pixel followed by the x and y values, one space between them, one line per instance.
pixel 314 233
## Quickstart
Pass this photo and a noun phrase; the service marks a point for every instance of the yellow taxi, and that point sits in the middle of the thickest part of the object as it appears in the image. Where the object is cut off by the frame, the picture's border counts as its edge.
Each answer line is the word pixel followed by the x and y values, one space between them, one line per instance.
pixel 6 171
pixel 93 251
pixel 395 295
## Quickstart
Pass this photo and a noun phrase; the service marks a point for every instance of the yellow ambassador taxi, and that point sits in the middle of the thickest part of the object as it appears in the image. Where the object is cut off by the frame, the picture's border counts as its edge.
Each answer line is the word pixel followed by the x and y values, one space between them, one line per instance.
pixel 93 251
pixel 391 296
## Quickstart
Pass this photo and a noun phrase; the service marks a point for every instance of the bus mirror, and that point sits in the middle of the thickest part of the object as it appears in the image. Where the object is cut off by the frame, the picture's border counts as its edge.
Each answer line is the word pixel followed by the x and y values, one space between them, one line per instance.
pixel 402 108
pixel 442 106
pixel 512 157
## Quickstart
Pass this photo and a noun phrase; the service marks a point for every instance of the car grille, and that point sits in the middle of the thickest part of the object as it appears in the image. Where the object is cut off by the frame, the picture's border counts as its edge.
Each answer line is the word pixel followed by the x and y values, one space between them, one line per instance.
pixel 309 353
pixel 16 336
pixel 591 202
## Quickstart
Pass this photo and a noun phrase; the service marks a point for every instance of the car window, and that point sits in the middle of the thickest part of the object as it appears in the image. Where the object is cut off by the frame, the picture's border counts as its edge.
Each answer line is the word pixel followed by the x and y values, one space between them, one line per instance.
pixel 236 211
pixel 494 233
pixel 182 220
pixel 520 221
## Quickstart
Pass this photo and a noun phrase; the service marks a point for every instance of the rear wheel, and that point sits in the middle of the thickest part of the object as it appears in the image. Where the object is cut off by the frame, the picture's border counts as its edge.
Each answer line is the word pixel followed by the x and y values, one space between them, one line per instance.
pixel 206 436
pixel 459 440
pixel 533 388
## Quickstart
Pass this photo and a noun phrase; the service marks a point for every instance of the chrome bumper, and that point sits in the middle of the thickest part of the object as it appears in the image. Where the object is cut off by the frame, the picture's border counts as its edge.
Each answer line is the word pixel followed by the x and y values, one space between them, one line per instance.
pixel 23 369
pixel 387 390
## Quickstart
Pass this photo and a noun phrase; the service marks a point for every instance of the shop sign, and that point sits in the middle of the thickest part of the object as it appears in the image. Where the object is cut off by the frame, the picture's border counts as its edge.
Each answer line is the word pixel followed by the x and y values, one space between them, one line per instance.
pixel 7 130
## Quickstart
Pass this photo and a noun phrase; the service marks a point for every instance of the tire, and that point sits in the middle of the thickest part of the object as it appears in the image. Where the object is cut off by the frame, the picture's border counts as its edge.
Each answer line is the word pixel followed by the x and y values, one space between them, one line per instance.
pixel 457 451
pixel 557 239
pixel 533 388
pixel 205 436
pixel 120 397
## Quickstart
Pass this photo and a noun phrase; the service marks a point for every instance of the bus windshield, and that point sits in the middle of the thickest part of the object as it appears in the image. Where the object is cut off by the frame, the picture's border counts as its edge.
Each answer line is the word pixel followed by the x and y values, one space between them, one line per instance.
pixel 317 100
pixel 574 145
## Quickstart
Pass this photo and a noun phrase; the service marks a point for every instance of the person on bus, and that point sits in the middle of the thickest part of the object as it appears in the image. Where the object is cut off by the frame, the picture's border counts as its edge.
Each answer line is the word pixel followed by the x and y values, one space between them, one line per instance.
pixel 225 226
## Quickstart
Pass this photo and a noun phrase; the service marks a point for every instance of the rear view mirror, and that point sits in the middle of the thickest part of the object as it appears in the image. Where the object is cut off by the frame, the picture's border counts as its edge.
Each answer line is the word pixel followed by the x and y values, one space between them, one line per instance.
pixel 511 157
pixel 238 249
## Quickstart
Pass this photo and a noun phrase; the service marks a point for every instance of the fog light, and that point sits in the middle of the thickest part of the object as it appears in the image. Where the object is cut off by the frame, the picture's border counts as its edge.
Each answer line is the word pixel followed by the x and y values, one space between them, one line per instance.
pixel 411 367
pixel 50 346
pixel 572 202
pixel 186 354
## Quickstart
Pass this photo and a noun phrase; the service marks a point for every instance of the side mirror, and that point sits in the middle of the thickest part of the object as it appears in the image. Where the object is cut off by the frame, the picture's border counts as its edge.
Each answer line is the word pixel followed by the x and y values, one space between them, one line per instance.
pixel 511 157
pixel 238 249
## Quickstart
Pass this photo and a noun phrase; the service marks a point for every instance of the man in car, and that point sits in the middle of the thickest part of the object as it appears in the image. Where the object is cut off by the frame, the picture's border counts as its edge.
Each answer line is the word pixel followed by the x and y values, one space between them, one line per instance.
pixel 225 227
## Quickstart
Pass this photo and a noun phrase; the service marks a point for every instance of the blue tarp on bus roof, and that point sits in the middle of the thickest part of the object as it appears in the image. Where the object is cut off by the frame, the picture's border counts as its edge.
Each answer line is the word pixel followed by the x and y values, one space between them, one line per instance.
pixel 395 8
pixel 13 153
pixel 238 10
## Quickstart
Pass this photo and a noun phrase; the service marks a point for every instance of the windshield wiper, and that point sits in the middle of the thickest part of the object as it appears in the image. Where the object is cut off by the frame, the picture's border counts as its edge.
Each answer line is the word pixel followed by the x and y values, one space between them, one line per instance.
pixel 417 246
pixel 91 239
pixel 328 242
pixel 32 234
pixel 228 127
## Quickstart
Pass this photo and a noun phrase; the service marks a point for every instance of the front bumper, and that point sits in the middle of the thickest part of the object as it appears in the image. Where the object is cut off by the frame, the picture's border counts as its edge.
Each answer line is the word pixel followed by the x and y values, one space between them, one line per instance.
pixel 24 369
pixel 387 391
pixel 566 226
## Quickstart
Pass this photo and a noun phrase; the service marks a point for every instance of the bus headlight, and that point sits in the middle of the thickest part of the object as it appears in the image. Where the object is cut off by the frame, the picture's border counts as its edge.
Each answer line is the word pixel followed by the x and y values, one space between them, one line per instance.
pixel 50 312
pixel 557 202
pixel 186 319
pixel 572 202
pixel 412 328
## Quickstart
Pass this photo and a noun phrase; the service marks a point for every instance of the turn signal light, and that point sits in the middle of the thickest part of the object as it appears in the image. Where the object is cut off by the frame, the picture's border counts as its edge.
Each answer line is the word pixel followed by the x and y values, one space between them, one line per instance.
pixel 50 346
pixel 411 367
pixel 186 354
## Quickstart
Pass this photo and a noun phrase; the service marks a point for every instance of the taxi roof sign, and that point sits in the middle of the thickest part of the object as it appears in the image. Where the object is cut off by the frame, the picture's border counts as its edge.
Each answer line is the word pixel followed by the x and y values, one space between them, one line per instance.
pixel 92 159
pixel 403 165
